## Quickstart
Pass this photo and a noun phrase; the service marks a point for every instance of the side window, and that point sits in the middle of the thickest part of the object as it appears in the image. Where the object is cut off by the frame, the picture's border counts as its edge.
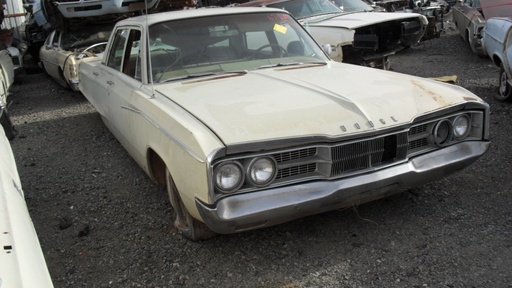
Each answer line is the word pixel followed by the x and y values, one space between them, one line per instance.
pixel 48 40
pixel 131 63
pixel 124 55
pixel 56 38
pixel 115 58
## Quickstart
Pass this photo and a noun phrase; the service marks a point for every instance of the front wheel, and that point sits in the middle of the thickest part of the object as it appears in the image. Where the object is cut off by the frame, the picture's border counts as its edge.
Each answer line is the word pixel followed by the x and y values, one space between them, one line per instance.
pixel 505 89
pixel 182 220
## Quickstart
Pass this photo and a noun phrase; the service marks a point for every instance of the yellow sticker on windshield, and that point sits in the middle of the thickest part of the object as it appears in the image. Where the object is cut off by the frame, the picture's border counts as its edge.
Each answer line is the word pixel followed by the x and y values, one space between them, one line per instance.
pixel 280 28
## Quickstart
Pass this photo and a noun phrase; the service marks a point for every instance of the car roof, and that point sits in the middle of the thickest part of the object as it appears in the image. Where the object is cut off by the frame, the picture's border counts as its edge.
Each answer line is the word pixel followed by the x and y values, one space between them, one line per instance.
pixel 194 13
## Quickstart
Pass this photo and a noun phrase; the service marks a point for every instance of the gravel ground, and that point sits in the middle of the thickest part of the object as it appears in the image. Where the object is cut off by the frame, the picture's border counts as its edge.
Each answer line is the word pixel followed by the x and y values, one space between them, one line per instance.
pixel 103 223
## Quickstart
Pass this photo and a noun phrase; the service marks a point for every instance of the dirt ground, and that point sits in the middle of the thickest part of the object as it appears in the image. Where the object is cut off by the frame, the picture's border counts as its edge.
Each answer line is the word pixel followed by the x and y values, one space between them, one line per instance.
pixel 103 223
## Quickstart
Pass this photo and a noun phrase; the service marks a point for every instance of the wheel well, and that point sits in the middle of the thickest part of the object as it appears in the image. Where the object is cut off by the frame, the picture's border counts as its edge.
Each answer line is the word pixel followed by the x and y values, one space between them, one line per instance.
pixel 156 167
pixel 496 60
pixel 61 74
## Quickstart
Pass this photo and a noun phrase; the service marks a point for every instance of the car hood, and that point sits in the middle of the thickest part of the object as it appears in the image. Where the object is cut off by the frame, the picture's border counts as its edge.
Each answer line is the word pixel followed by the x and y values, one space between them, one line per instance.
pixel 332 100
pixel 357 20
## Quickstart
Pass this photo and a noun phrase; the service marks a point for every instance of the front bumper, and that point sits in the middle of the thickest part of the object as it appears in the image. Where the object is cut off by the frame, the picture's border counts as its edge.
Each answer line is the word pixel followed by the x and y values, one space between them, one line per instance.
pixel 278 205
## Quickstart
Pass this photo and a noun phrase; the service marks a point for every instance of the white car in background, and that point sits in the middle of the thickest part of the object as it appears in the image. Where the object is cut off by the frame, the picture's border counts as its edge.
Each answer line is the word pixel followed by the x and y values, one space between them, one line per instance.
pixel 497 42
pixel 357 34
pixel 63 51
pixel 22 261
pixel 94 8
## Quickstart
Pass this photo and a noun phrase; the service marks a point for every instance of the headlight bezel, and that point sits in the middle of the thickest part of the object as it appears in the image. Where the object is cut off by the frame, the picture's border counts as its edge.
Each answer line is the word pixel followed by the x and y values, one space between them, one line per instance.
pixel 240 181
pixel 251 164
pixel 456 135
pixel 448 131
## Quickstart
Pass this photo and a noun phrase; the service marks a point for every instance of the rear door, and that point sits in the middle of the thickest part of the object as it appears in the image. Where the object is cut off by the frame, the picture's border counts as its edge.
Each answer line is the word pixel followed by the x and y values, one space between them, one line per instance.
pixel 48 54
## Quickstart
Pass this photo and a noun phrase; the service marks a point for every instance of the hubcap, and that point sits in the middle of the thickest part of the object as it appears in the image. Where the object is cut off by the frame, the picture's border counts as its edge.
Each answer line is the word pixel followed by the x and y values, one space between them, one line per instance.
pixel 503 83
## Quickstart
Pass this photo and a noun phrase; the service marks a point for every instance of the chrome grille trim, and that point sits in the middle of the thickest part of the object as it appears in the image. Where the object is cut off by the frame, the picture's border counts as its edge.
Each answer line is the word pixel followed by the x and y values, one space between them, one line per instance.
pixel 326 160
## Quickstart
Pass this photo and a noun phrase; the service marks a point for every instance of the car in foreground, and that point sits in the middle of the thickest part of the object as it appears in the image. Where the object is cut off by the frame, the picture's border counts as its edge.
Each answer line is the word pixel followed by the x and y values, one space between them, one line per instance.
pixel 248 123
pixel 358 35
pixel 22 261
pixel 63 50
pixel 497 42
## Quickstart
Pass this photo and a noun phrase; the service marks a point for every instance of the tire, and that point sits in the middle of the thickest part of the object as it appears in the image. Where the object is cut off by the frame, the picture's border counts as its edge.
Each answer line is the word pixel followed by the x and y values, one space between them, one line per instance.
pixel 9 130
pixel 472 44
pixel 504 88
pixel 182 220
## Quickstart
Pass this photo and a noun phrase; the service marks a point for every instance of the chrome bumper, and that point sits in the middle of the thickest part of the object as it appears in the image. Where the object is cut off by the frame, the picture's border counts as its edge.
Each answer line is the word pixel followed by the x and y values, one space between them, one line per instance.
pixel 278 205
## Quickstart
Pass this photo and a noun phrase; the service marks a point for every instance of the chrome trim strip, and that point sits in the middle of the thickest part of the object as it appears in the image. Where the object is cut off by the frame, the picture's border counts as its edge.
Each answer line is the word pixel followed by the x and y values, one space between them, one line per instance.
pixel 278 205
pixel 168 134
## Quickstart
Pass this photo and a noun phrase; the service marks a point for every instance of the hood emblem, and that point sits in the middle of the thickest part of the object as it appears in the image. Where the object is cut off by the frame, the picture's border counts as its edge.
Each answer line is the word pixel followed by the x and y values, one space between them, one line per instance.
pixel 370 124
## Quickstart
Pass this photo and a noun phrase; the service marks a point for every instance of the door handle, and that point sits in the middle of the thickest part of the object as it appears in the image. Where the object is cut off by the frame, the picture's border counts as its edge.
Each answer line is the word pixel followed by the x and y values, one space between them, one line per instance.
pixel 95 73
pixel 110 82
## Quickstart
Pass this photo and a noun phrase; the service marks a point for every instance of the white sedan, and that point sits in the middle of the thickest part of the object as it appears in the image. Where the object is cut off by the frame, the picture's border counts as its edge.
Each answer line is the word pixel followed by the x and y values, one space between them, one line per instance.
pixel 248 123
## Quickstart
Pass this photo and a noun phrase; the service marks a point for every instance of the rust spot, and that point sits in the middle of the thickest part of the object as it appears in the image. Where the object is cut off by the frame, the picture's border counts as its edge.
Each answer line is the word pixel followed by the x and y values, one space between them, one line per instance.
pixel 436 97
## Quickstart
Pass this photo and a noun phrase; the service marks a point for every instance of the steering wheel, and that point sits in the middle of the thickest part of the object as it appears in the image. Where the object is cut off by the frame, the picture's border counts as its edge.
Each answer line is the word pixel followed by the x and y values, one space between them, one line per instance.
pixel 281 50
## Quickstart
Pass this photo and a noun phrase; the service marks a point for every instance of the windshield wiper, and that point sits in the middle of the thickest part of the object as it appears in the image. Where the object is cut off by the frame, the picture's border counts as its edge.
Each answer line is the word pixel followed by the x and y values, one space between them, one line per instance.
pixel 205 74
pixel 292 64
pixel 330 14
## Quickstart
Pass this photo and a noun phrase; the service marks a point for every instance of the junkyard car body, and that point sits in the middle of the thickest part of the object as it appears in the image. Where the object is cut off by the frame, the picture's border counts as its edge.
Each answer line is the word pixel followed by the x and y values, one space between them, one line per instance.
pixel 497 42
pixel 470 18
pixel 62 52
pixel 256 126
pixel 6 80
pixel 467 16
pixel 93 8
pixel 357 34
pixel 22 261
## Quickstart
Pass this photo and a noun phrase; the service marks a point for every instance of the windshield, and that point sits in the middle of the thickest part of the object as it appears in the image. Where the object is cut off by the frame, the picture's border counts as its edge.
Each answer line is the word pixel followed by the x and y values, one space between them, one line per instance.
pixel 228 44
pixel 85 37
pixel 351 6
pixel 307 8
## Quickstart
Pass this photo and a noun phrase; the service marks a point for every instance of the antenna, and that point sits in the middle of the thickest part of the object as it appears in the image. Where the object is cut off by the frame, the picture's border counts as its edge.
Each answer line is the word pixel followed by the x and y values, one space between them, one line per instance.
pixel 150 65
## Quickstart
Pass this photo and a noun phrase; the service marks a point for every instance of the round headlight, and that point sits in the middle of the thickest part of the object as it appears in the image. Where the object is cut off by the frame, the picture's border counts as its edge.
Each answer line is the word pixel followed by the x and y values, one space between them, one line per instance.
pixel 229 176
pixel 461 126
pixel 262 171
pixel 442 132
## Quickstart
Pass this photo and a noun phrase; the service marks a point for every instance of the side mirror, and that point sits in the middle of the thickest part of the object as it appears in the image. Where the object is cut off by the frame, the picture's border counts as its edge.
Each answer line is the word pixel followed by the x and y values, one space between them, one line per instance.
pixel 327 49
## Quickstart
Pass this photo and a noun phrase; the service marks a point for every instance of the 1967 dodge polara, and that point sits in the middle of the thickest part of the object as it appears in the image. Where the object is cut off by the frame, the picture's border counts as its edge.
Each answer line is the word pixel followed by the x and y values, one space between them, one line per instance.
pixel 248 123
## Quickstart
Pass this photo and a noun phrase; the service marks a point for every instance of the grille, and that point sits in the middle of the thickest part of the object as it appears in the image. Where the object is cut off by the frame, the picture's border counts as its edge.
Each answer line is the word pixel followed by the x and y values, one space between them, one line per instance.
pixel 296 170
pixel 418 129
pixel 418 143
pixel 294 155
pixel 368 153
